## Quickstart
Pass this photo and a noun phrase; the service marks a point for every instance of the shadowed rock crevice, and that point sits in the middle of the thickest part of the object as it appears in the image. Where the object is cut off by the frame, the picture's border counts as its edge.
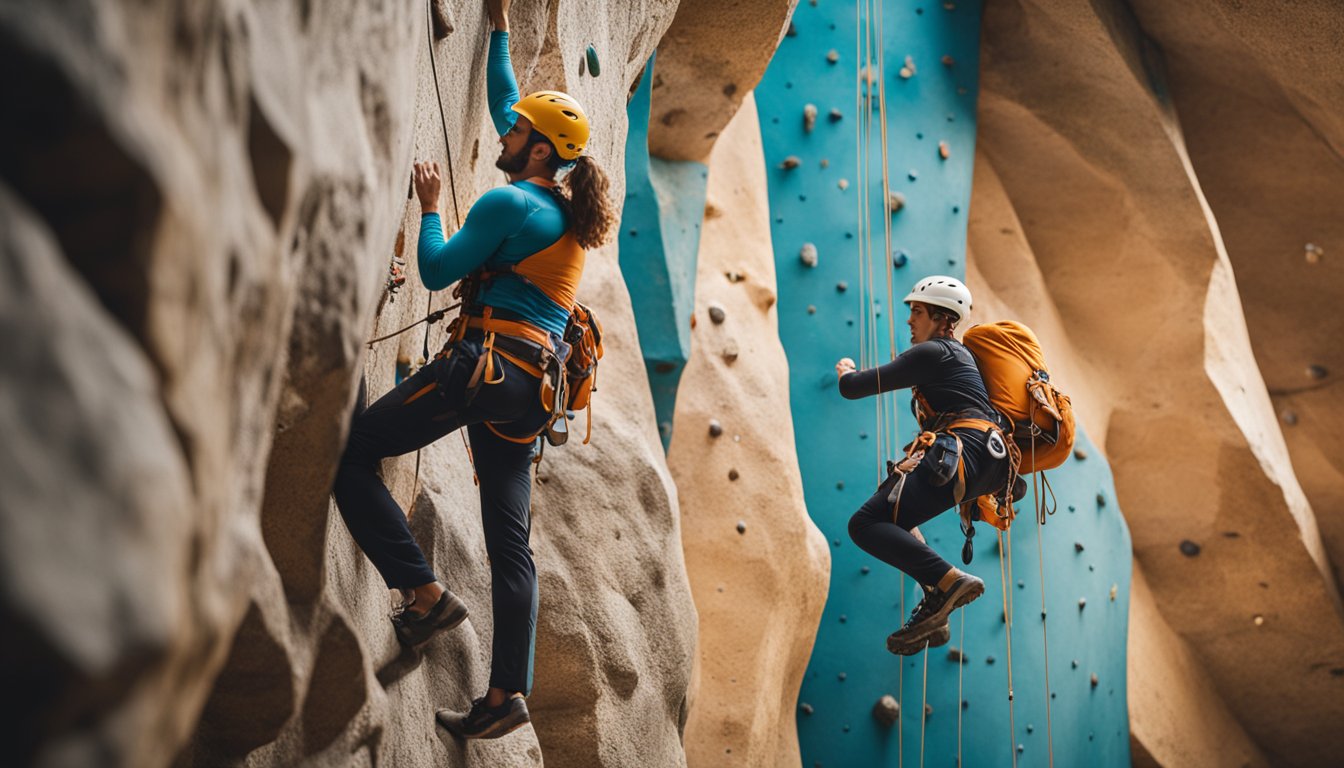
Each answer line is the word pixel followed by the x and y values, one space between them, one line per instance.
pixel 253 696
pixel 337 690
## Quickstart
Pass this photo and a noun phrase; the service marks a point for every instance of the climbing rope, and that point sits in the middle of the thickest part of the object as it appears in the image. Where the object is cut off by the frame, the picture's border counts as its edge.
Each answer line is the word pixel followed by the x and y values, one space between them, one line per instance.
pixel 1008 627
pixel 1039 504
pixel 961 666
pixel 924 706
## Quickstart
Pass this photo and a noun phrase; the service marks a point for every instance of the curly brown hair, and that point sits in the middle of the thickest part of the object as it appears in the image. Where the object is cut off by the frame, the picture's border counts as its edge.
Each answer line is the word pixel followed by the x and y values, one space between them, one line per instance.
pixel 584 194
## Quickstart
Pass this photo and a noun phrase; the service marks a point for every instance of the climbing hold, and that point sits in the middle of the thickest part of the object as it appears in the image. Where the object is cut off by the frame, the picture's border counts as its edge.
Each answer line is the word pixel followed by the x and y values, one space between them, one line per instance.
pixel 912 174
pixel 841 677
pixel 1020 748
pixel 865 570
pixel 825 163
pixel 908 71
pixel 716 314
pixel 989 659
pixel 843 618
pixel 843 184
pixel 895 201
pixel 808 255
pixel 842 286
pixel 1289 417
pixel 928 710
pixel 1259 620
pixel 805 708
pixel 949 62
pixel 594 66
pixel 1031 728
pixel 832 56
pixel 1077 546
pixel 1101 499
pixel 733 474
pixel 741 526
pixel 1317 372
pixel 811 309
pixel 734 277
pixel 792 32
pixel 1189 548
pixel 886 710
pixel 836 116
pixel 730 351
pixel 1114 589
pixel 809 117
pixel 1075 663
pixel 790 163
pixel 900 259
pixel 1079 454
pixel 1314 253
pixel 1082 603
pixel 715 428
pixel 867 76
pixel 943 150
pixel 954 654
pixel 1094 680
pixel 1021 584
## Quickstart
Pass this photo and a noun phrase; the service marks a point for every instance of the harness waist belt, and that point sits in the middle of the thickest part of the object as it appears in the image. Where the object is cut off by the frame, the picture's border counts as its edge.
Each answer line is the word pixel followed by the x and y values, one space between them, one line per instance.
pixel 511 328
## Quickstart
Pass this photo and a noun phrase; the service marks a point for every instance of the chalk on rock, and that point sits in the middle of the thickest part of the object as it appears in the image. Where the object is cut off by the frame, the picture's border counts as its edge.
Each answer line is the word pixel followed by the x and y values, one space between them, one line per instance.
pixel 790 163
pixel 809 117
pixel 716 314
pixel 832 56
pixel 887 710
pixel 715 428
pixel 808 255
pixel 895 201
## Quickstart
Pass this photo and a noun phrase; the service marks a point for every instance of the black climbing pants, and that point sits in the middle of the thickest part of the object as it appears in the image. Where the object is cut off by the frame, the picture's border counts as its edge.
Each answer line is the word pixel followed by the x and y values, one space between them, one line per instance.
pixel 874 530
pixel 430 404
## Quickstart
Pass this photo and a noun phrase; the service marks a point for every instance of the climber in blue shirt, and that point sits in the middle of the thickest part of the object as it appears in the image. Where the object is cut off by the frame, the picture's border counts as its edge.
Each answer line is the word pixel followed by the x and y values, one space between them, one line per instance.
pixel 521 251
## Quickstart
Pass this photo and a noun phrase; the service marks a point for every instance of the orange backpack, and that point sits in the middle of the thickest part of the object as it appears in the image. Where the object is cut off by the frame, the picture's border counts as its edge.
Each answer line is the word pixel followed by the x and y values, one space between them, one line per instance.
pixel 1010 360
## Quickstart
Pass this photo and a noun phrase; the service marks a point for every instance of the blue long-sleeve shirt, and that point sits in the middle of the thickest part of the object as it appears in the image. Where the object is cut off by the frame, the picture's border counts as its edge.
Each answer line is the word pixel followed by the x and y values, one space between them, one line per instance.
pixel 504 226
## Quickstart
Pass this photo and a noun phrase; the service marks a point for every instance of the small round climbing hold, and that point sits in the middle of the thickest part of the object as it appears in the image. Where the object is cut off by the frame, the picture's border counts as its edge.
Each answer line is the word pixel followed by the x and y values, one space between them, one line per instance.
pixel 895 201
pixel 965 704
pixel 792 31
pixel 1075 663
pixel 1314 253
pixel 809 117
pixel 840 485
pixel 1101 499
pixel 1094 680
pixel 989 659
pixel 836 115
pixel 843 184
pixel 1078 546
pixel 1258 620
pixel 908 71
pixel 734 277
pixel 954 654
pixel 842 286
pixel 717 314
pixel 594 66
pixel 806 708
pixel 1031 728
pixel 1021 584
pixel 808 255
pixel 1082 603
pixel 1080 454
pixel 842 677
pixel 790 162
pixel 912 174
pixel 843 618
pixel 949 62
pixel 832 56
pixel 811 309
pixel 1115 588
pixel 1189 548
pixel 1021 748
pixel 715 428
pixel 733 474
pixel 886 710
pixel 865 570
pixel 741 526
pixel 900 259
pixel 944 151
pixel 825 163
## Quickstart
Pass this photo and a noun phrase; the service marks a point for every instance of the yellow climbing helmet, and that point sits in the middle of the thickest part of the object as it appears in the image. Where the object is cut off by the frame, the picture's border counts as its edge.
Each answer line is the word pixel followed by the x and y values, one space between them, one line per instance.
pixel 558 117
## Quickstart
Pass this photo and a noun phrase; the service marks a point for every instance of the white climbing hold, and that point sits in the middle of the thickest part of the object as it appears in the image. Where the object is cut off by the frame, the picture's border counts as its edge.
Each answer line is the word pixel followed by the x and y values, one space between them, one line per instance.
pixel 843 184
pixel 832 55
pixel 895 202
pixel 808 255
pixel 809 117
pixel 908 71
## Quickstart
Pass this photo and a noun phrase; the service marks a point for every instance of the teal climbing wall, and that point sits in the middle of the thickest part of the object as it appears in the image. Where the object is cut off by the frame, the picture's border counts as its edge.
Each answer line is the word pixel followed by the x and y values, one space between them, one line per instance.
pixel 1085 544
pixel 659 241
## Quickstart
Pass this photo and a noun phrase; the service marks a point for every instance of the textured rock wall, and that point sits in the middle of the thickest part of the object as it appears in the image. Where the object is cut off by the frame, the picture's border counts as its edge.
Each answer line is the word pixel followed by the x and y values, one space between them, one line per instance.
pixel 203 203
pixel 1108 126
pixel 758 566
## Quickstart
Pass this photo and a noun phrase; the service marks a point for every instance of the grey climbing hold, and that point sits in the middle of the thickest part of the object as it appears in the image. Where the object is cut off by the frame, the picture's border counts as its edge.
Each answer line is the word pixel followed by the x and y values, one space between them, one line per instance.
pixel 811 309
pixel 1021 584
pixel 954 654
pixel 741 526
pixel 841 677
pixel 895 201
pixel 594 66
pixel 832 56
pixel 715 428
pixel 733 474
pixel 717 314
pixel 1020 749
pixel 1288 416
pixel 886 710
pixel 1077 546
pixel 836 116
pixel 1079 454
pixel 865 570
pixel 808 255
pixel 1082 603
pixel 806 708
pixel 1317 372
pixel 843 618
pixel 1189 548
pixel 790 163
pixel 842 286
pixel 1031 728
pixel 1075 663
pixel 809 117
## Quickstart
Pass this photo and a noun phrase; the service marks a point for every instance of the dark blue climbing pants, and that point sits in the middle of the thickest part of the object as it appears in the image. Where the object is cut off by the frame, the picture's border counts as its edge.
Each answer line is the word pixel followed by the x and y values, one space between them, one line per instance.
pixel 874 530
pixel 423 408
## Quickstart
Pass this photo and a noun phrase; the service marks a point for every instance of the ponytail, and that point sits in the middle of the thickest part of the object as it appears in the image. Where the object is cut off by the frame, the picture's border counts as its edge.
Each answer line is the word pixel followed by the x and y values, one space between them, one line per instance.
pixel 591 214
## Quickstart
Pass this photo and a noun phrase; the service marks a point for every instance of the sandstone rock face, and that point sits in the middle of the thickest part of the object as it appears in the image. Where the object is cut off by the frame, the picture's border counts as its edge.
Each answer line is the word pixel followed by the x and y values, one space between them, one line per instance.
pixel 200 206
pixel 758 565
pixel 1116 246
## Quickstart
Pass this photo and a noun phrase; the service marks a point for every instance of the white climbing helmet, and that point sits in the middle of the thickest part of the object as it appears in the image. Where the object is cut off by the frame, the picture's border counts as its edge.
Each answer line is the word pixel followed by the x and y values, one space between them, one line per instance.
pixel 943 291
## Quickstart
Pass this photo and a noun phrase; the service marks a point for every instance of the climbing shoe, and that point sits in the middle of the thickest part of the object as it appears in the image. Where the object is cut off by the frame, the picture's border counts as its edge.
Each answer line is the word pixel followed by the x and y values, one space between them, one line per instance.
pixel 929 620
pixel 413 630
pixel 484 722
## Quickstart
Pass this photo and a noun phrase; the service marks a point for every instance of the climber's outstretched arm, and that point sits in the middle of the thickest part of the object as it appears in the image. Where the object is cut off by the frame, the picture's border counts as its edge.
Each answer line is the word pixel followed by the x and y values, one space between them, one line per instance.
pixel 501 89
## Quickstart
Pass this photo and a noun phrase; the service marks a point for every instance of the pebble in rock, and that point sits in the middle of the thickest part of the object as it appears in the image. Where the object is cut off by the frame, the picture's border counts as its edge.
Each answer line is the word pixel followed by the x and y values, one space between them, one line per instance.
pixel 808 255
pixel 842 184
pixel 790 163
pixel 1077 546
pixel 809 117
pixel 832 56
pixel 717 314
pixel 741 526
pixel 732 474
pixel 842 286
pixel 887 710
pixel 1189 548
pixel 715 428
pixel 1094 680
pixel 944 151
pixel 895 202
pixel 1079 454
pixel 836 115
